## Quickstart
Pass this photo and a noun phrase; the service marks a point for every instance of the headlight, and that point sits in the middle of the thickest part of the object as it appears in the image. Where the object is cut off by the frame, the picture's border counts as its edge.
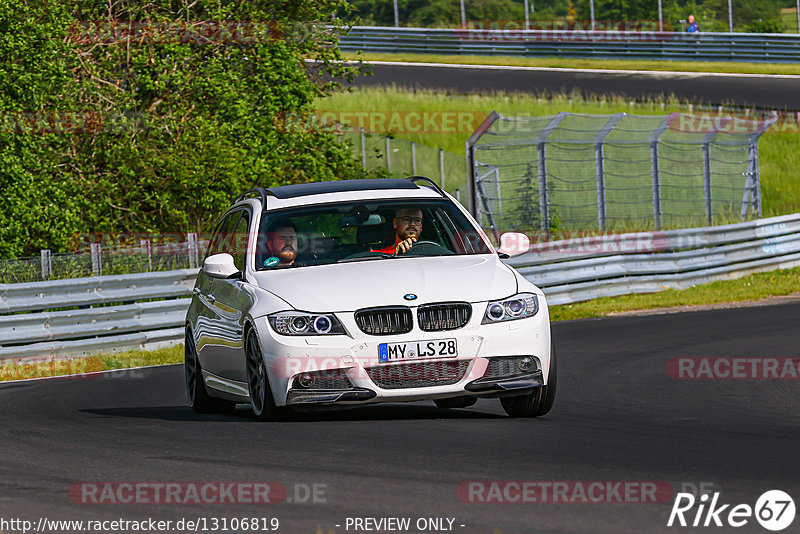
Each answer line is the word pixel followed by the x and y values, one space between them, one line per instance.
pixel 516 307
pixel 294 323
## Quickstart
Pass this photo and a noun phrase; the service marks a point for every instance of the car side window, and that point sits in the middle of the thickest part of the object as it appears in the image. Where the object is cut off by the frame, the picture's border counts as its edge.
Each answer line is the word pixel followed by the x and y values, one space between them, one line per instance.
pixel 214 245
pixel 226 239
pixel 239 240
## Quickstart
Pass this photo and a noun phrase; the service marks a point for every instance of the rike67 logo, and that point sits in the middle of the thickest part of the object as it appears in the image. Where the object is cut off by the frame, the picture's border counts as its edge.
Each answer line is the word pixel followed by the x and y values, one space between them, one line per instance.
pixel 774 510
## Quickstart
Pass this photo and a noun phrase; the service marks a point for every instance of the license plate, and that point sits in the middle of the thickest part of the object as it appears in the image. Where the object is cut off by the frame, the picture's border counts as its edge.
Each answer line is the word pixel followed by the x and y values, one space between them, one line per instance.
pixel 436 348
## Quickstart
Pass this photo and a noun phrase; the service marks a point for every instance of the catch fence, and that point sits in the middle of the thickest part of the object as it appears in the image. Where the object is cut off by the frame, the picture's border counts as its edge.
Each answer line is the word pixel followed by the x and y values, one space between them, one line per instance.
pixel 150 255
pixel 579 172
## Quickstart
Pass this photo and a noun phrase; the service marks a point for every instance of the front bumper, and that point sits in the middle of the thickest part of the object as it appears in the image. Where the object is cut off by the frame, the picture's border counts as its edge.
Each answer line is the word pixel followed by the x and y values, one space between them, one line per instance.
pixel 356 355
pixel 482 387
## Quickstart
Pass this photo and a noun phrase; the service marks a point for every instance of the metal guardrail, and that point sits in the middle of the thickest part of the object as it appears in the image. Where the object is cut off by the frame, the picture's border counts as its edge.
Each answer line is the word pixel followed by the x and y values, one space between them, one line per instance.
pixel 682 46
pixel 55 318
pixel 604 266
pixel 147 310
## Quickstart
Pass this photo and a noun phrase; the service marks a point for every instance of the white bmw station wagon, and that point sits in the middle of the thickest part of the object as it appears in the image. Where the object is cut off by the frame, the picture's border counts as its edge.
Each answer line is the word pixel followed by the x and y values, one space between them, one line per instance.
pixel 363 291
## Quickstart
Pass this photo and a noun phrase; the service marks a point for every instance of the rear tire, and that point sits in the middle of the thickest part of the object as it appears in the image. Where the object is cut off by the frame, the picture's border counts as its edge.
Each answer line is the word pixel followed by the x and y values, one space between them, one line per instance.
pixel 456 402
pixel 537 403
pixel 261 400
pixel 199 399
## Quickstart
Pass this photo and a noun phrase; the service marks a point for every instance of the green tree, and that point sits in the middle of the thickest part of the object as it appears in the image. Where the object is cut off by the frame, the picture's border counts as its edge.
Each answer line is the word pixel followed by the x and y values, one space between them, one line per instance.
pixel 176 106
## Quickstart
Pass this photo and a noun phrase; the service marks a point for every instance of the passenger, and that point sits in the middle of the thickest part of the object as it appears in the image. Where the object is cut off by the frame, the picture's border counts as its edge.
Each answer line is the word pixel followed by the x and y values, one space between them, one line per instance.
pixel 281 244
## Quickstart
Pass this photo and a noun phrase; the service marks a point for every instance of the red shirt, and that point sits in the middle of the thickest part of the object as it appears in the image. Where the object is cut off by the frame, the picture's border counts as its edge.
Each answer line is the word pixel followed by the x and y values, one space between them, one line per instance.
pixel 387 250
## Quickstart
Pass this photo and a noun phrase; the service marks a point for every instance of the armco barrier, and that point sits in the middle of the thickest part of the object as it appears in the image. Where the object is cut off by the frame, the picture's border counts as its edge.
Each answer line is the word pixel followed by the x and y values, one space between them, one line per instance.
pixel 127 317
pixel 39 319
pixel 677 45
pixel 602 266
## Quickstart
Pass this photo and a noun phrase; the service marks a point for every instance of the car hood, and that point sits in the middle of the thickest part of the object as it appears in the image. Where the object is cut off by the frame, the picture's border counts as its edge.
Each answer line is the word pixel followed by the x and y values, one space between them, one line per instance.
pixel 351 286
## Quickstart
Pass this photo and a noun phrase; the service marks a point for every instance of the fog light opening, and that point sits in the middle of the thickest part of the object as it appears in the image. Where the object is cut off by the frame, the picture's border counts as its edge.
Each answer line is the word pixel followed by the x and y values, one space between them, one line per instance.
pixel 306 380
pixel 525 364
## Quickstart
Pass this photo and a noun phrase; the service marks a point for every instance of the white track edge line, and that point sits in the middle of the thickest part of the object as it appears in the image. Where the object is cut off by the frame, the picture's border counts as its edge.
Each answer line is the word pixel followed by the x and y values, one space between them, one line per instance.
pixel 86 374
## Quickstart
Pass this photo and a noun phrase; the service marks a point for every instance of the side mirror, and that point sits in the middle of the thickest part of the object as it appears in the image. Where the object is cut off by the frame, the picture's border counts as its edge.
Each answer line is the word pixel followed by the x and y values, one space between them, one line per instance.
pixel 514 244
pixel 220 266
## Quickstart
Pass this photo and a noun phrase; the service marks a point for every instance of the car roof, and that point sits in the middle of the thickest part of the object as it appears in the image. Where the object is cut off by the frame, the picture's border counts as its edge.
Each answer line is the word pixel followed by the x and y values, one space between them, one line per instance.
pixel 321 188
pixel 342 191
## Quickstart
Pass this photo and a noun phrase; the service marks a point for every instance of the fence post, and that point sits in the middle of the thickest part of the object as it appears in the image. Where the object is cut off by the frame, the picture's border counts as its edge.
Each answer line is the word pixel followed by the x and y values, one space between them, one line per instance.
pixel 363 148
pixel 707 194
pixel 97 261
pixel 47 265
pixel 599 156
pixel 757 178
pixel 541 158
pixel 145 244
pixel 388 155
pixel 601 186
pixel 441 167
pixel 654 169
pixel 707 182
pixel 192 242
pixel 544 205
pixel 656 184
pixel 487 123
pixel 413 158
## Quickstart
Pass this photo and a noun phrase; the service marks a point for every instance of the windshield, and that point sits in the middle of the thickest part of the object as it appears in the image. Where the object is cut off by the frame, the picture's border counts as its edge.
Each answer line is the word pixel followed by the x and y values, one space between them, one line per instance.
pixel 364 231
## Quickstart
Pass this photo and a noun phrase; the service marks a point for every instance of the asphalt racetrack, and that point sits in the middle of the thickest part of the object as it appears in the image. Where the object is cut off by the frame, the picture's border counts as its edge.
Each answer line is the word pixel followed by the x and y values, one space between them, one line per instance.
pixel 618 416
pixel 767 92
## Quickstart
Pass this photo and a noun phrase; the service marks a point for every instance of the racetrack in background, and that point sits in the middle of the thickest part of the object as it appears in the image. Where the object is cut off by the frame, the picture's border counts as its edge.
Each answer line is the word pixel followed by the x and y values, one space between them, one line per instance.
pixel 738 90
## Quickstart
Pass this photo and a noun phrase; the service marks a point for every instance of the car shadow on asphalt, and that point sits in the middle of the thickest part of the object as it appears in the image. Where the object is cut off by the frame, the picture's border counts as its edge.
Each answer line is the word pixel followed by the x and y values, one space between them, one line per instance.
pixel 243 414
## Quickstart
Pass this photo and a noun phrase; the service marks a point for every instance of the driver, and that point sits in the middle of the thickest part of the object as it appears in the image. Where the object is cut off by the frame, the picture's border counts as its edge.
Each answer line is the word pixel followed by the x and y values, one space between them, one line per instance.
pixel 408 227
pixel 281 243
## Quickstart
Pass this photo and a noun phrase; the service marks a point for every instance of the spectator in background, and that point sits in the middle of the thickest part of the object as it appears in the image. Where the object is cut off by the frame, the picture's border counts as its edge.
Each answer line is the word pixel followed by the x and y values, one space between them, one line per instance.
pixel 691 25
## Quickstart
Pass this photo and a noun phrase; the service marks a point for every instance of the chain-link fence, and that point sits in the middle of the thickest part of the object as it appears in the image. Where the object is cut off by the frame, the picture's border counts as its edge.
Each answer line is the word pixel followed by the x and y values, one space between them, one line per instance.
pixel 580 172
pixel 148 256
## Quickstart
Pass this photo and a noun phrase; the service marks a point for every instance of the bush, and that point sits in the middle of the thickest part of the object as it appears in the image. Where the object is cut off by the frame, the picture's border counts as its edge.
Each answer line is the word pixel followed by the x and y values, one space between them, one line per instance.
pixel 133 120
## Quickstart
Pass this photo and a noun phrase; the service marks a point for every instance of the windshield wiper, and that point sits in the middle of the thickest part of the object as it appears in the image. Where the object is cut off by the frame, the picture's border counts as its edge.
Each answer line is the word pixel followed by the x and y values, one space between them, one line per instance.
pixel 383 256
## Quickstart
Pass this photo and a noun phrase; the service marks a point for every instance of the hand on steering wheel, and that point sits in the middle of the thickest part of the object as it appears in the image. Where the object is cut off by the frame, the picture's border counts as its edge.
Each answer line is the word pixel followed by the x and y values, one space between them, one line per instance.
pixel 407 244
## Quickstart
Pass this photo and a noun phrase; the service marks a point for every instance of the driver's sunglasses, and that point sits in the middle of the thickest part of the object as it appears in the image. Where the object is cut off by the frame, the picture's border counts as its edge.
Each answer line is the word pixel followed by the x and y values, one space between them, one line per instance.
pixel 409 220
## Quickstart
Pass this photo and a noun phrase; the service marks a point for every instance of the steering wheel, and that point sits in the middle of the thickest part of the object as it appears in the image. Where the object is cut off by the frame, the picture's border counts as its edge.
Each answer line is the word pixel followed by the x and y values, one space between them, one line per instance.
pixel 420 247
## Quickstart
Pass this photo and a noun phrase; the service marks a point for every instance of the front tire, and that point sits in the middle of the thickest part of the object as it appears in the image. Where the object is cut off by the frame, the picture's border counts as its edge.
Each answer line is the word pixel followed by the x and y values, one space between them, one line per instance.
pixel 261 400
pixel 199 399
pixel 537 403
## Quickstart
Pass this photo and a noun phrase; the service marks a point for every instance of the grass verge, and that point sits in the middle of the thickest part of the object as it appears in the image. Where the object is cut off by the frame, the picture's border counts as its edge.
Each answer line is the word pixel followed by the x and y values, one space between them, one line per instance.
pixel 610 64
pixel 90 364
pixel 754 287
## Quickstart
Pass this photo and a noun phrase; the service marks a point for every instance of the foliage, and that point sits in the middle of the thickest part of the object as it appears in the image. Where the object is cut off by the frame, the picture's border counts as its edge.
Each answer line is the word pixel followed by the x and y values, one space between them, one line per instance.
pixel 149 118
